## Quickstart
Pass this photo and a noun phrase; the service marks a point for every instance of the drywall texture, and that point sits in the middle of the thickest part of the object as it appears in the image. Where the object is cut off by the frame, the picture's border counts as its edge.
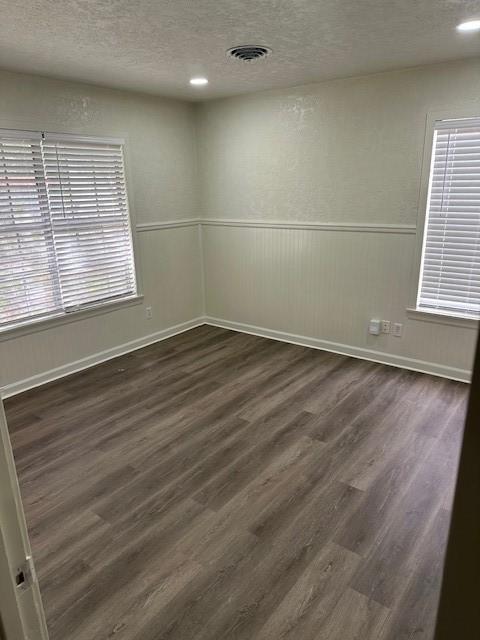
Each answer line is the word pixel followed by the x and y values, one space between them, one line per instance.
pixel 161 173
pixel 157 45
pixel 338 152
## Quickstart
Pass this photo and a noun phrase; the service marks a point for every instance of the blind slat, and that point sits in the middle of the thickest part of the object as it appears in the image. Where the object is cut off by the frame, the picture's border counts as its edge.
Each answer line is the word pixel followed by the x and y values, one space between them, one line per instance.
pixel 24 224
pixel 64 225
pixel 450 274
pixel 89 218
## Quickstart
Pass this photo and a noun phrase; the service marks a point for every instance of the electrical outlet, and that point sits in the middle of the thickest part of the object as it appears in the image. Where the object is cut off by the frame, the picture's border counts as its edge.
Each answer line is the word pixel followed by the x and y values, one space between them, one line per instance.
pixel 385 326
pixel 397 329
pixel 148 313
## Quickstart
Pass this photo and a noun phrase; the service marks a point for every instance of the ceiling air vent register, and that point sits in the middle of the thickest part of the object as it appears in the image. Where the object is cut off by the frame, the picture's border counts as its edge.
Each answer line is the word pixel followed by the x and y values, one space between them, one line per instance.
pixel 249 52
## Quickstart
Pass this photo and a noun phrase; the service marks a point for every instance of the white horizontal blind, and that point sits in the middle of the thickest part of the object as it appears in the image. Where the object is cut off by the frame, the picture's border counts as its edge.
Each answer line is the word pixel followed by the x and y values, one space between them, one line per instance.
pixel 89 213
pixel 29 284
pixel 65 238
pixel 450 274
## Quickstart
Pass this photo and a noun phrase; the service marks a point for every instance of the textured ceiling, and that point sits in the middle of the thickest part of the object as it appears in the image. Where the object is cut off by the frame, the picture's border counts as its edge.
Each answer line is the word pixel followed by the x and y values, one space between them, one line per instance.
pixel 157 45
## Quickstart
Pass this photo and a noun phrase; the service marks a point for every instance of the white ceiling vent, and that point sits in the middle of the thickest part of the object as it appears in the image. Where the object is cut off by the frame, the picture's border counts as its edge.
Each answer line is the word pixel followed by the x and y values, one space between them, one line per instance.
pixel 249 52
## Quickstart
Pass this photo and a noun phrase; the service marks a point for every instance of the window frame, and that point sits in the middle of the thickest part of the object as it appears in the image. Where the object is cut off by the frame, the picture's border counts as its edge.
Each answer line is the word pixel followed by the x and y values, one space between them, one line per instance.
pixel 35 324
pixel 413 311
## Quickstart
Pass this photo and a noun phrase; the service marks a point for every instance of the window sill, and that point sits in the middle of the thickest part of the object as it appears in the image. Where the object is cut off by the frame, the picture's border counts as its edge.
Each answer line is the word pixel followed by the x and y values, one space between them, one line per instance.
pixel 443 318
pixel 42 324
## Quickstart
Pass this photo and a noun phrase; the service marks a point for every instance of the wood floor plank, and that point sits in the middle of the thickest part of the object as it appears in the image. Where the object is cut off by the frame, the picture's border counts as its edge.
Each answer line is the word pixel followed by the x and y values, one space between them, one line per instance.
pixel 312 598
pixel 222 486
pixel 365 619
pixel 414 612
pixel 390 561
pixel 275 435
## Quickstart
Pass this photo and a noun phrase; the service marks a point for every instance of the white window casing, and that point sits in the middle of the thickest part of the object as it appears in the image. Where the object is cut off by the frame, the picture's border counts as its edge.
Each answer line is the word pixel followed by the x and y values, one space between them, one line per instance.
pixel 450 265
pixel 65 236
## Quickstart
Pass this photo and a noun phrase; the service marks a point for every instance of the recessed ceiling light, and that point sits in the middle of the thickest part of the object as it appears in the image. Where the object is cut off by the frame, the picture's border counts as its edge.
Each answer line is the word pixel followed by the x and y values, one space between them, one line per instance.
pixel 471 25
pixel 198 82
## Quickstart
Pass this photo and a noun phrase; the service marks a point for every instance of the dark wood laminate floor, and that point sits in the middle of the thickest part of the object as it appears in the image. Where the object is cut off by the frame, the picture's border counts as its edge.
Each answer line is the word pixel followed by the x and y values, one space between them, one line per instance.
pixel 223 486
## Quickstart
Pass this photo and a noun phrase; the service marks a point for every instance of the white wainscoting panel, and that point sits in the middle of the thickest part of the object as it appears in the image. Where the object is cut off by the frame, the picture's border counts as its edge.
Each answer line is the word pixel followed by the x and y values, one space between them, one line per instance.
pixel 325 287
pixel 170 268
pixel 311 284
pixel 97 358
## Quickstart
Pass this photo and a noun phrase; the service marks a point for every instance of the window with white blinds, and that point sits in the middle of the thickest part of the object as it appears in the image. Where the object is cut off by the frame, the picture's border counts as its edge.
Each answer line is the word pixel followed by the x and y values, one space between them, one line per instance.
pixel 450 269
pixel 65 238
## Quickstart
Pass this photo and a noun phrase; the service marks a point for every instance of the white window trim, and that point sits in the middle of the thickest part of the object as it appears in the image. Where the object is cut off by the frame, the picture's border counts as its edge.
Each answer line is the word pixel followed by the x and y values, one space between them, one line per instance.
pixel 413 312
pixel 46 322
pixel 49 322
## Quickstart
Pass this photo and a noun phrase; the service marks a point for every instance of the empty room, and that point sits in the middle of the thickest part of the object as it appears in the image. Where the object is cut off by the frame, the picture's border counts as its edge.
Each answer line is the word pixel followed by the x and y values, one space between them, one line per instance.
pixel 239 306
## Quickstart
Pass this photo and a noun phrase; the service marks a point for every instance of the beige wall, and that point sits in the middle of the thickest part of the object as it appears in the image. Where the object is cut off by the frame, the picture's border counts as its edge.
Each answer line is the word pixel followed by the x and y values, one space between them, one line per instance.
pixel 346 151
pixel 162 185
pixel 342 151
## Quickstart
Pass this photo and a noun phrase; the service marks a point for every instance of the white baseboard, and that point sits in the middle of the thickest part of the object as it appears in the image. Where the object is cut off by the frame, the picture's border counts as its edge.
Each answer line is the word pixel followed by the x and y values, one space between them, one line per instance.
pixel 96 358
pixel 462 375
